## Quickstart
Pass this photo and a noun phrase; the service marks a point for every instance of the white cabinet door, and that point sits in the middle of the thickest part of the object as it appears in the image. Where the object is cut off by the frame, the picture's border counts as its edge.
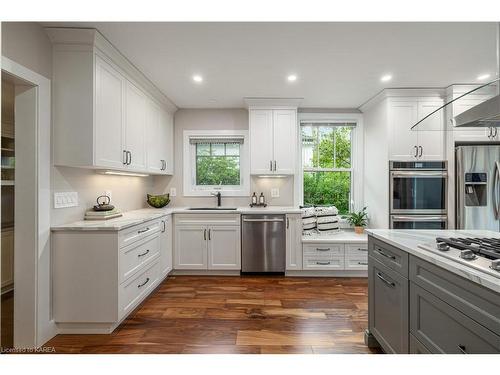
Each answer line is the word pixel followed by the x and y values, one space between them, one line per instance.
pixel 261 141
pixel 167 141
pixel 430 135
pixel 153 138
pixel 402 115
pixel 190 250
pixel 135 124
pixel 166 245
pixel 109 89
pixel 284 139
pixel 224 248
pixel 293 242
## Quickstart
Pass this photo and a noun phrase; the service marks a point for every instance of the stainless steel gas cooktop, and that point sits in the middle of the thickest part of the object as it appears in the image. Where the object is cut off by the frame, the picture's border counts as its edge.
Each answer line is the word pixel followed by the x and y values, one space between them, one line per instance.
pixel 480 253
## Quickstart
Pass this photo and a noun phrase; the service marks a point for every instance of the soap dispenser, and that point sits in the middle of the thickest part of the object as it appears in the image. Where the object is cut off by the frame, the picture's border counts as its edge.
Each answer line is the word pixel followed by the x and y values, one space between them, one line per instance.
pixel 262 200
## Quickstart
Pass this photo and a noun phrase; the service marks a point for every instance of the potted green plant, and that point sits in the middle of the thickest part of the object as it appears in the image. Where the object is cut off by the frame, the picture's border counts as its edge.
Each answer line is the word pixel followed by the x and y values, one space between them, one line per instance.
pixel 358 220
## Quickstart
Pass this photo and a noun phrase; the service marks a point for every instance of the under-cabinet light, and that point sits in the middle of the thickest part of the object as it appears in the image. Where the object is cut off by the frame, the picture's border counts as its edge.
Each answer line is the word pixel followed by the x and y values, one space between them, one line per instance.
pixel 119 173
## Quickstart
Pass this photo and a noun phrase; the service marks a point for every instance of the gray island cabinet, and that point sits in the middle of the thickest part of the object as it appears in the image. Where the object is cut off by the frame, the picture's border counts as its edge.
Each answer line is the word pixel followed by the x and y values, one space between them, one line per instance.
pixel 418 307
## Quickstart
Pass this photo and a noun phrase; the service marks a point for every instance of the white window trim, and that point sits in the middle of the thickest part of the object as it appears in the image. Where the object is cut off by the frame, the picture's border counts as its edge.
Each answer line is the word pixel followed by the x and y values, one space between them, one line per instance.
pixel 357 181
pixel 191 190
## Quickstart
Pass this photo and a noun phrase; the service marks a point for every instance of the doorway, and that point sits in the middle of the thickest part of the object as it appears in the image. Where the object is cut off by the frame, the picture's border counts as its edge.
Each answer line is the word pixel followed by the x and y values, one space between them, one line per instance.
pixel 25 215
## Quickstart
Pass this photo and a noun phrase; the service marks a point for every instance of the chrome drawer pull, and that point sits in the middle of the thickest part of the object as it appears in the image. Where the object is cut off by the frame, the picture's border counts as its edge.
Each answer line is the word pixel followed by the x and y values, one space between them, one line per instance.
pixel 390 283
pixel 322 249
pixel 144 283
pixel 385 255
pixel 142 231
pixel 363 263
pixel 141 255
pixel 323 263
pixel 361 249
pixel 462 349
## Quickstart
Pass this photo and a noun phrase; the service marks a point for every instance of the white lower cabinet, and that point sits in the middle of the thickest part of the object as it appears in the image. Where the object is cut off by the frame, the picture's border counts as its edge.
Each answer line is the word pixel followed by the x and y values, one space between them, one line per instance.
pixel 293 242
pixel 211 242
pixel 99 277
pixel 335 256
pixel 7 259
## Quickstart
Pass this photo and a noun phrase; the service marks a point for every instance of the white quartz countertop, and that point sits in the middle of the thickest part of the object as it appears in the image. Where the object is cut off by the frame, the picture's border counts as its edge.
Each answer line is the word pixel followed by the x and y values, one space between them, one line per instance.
pixel 343 236
pixel 131 218
pixel 408 240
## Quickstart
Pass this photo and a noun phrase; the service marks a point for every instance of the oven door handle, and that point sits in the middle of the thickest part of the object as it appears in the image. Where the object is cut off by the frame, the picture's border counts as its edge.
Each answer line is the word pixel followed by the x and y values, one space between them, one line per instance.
pixel 423 174
pixel 419 218
pixel 496 177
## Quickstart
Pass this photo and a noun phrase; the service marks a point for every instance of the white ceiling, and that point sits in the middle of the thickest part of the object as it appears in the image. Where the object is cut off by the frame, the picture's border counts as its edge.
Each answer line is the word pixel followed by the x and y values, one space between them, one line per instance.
pixel 338 65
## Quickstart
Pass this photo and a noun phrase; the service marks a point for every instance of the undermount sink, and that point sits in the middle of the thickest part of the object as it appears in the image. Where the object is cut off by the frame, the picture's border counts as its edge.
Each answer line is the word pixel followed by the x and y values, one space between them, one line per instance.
pixel 211 208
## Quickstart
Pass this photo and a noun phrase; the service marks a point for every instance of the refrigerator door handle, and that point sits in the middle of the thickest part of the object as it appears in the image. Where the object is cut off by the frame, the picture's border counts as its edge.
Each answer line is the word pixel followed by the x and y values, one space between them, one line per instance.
pixel 496 177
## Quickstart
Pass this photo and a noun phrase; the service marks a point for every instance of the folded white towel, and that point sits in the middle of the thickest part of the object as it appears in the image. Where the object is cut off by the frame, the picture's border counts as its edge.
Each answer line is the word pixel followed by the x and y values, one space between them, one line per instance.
pixel 326 211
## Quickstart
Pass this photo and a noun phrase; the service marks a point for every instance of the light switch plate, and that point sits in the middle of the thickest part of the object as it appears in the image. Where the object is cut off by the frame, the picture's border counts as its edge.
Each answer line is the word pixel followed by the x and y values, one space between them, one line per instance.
pixel 275 193
pixel 173 192
pixel 66 199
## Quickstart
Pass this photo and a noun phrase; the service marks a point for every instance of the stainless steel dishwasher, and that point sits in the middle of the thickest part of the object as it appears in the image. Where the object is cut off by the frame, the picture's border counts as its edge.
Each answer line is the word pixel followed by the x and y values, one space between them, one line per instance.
pixel 263 243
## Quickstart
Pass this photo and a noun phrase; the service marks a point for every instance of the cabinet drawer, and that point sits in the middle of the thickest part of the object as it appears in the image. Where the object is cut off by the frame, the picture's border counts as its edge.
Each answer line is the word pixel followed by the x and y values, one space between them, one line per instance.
pixel 317 263
pixel 388 307
pixel 443 329
pixel 357 250
pixel 137 288
pixel 388 255
pixel 475 301
pixel 356 263
pixel 207 219
pixel 135 256
pixel 326 250
pixel 131 235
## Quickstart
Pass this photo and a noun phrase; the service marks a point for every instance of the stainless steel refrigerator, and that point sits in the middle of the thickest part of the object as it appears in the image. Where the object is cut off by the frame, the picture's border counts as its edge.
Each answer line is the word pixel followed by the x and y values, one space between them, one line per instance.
pixel 477 187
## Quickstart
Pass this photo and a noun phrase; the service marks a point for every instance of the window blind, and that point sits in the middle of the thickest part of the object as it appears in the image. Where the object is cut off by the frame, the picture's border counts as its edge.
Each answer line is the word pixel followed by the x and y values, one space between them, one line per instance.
pixel 216 140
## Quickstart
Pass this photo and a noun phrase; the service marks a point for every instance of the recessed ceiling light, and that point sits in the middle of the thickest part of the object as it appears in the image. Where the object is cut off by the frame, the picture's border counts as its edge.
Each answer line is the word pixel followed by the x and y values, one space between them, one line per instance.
pixel 291 78
pixel 197 78
pixel 386 78
pixel 482 77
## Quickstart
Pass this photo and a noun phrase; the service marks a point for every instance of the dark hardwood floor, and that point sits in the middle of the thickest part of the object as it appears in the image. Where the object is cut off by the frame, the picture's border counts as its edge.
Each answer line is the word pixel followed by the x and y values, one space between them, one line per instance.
pixel 213 314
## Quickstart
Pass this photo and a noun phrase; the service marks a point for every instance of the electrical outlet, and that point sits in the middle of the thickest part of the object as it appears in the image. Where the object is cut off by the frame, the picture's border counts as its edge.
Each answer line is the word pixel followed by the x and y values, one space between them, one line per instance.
pixel 173 192
pixel 275 193
pixel 66 199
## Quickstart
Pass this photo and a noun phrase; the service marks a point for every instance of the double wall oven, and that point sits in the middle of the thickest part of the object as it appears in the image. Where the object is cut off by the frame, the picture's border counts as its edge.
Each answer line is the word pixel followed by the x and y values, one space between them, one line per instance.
pixel 418 195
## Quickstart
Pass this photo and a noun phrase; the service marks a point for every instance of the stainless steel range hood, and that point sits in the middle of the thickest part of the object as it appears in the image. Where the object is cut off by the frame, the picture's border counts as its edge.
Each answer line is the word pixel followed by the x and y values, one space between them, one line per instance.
pixel 484 115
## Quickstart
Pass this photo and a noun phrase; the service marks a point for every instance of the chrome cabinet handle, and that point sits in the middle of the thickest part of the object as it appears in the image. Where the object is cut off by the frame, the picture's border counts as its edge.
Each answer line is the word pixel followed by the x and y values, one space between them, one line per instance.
pixel 390 283
pixel 490 131
pixel 144 283
pixel 323 263
pixel 496 132
pixel 496 178
pixel 164 226
pixel 129 158
pixel 271 165
pixel 385 255
pixel 141 255
pixel 462 349
pixel 363 263
pixel 421 151
pixel 361 249
pixel 287 223
pixel 205 234
pixel 416 151
pixel 142 230
pixel 275 165
pixel 125 157
pixel 322 249
pixel 210 234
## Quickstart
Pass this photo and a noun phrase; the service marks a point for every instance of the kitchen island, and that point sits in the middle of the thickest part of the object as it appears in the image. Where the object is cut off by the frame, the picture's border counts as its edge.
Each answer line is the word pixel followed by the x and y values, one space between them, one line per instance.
pixel 423 300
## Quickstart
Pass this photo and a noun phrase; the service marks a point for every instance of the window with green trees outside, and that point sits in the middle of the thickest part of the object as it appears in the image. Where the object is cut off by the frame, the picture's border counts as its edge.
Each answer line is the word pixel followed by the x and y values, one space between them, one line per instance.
pixel 327 164
pixel 218 163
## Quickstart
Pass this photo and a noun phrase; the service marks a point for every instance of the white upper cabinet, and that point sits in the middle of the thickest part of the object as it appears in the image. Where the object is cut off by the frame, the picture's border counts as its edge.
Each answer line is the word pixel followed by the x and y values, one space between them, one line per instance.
pixel 273 141
pixel 426 142
pixel 135 127
pixel 106 115
pixel 261 141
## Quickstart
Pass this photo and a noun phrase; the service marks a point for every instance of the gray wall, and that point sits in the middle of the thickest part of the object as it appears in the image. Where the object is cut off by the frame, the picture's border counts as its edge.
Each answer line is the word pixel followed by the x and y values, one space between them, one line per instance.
pixel 216 119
